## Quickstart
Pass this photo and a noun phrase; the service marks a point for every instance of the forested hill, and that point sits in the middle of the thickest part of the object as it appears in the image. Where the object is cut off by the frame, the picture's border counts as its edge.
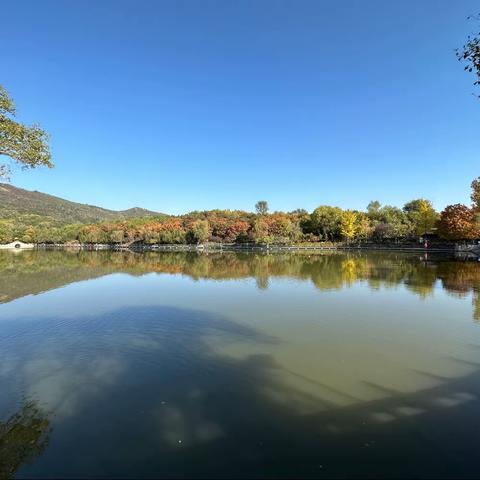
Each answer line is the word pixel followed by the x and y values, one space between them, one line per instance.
pixel 15 201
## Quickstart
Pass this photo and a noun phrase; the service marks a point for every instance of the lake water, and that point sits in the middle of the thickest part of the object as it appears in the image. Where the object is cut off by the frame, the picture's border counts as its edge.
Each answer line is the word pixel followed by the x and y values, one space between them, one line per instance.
pixel 214 365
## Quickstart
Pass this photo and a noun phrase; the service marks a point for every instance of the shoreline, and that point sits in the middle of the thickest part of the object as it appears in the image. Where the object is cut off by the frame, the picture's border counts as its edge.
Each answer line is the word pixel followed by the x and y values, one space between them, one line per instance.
pixel 459 250
pixel 450 249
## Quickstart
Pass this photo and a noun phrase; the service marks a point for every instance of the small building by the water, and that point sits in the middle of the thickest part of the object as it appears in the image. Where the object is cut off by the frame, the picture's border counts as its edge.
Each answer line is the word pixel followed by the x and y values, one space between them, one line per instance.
pixel 17 245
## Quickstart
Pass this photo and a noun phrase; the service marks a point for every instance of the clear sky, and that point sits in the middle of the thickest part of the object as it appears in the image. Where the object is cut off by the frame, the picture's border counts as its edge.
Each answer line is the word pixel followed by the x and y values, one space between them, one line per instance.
pixel 186 105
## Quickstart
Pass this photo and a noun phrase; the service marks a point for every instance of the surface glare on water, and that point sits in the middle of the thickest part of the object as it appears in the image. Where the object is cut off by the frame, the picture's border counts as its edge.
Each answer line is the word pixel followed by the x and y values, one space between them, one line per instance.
pixel 227 364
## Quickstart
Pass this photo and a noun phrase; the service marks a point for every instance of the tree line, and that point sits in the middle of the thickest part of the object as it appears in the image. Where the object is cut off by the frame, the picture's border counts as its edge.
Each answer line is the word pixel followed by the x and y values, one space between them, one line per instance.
pixel 378 223
pixel 28 146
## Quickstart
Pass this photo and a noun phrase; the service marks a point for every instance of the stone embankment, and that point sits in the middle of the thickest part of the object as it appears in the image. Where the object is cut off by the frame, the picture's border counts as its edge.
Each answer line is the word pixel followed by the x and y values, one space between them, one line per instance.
pixel 469 250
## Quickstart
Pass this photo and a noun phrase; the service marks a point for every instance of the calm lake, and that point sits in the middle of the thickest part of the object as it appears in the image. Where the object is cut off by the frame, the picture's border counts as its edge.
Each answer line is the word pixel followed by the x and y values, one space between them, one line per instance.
pixel 226 364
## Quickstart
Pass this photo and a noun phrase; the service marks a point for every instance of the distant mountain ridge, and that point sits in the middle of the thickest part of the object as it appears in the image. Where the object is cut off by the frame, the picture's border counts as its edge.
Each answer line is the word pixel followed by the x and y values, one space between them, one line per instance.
pixel 14 199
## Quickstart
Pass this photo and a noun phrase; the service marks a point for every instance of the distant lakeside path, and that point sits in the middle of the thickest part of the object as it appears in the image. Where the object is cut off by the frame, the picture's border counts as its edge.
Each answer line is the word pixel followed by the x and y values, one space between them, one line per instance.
pixel 434 247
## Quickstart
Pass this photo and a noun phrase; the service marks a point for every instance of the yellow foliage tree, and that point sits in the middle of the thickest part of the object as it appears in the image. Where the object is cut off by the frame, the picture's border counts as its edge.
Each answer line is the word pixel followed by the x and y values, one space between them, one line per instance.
pixel 363 227
pixel 348 224
pixel 426 217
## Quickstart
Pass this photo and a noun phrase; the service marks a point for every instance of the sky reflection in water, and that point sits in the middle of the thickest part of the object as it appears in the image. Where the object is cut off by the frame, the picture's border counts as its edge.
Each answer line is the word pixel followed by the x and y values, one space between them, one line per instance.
pixel 177 364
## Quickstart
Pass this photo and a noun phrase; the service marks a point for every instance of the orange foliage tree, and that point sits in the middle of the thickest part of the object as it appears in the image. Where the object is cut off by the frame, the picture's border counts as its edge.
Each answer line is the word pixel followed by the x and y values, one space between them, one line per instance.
pixel 458 222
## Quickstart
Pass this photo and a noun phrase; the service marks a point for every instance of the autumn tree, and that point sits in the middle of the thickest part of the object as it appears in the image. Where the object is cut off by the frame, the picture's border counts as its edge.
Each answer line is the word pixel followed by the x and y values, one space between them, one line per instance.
pixel 422 214
pixel 282 229
pixel 348 224
pixel 426 217
pixel 363 226
pixel 24 144
pixel 219 226
pixel 29 235
pixel 237 230
pixel 261 207
pixel 458 222
pixel 150 233
pixel 172 232
pixel 90 234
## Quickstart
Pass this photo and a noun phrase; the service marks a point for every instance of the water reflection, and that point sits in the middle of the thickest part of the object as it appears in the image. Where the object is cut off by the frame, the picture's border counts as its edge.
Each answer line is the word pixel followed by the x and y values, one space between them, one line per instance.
pixel 156 400
pixel 341 365
pixel 38 271
pixel 23 437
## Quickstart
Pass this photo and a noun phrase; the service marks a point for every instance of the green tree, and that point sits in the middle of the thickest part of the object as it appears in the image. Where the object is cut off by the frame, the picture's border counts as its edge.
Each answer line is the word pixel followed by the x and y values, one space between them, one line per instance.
pixel 261 232
pixel 325 222
pixel 116 236
pixel 200 231
pixel 261 207
pixel 470 54
pixel 373 208
pixel 69 233
pixel 300 212
pixel 26 145
pixel 400 225
pixel 475 196
pixel 90 234
pixel 389 223
pixel 6 232
pixel 301 218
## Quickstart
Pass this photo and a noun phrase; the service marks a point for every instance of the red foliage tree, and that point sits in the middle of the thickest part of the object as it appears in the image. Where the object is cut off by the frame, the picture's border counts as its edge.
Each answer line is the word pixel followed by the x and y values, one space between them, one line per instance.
pixel 236 230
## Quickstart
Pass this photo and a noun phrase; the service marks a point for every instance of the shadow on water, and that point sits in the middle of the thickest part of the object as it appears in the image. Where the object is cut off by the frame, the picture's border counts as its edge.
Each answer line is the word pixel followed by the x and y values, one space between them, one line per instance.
pixel 151 395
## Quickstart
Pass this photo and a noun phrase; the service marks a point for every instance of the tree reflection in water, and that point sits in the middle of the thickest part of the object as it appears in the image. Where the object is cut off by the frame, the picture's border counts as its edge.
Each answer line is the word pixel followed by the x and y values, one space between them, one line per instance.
pixel 23 437
pixel 38 271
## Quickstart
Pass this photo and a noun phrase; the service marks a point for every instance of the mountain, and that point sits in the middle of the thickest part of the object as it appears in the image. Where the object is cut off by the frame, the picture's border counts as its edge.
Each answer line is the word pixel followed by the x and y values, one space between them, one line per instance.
pixel 14 200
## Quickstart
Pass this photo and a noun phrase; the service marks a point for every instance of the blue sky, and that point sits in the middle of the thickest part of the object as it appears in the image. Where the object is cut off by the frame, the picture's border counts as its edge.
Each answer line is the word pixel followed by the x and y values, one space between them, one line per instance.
pixel 184 105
